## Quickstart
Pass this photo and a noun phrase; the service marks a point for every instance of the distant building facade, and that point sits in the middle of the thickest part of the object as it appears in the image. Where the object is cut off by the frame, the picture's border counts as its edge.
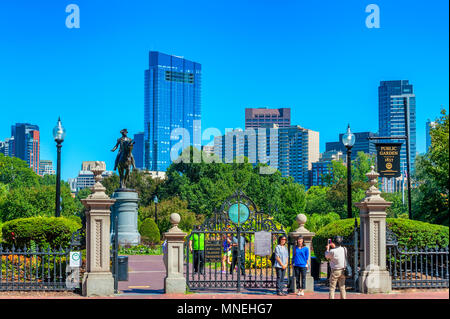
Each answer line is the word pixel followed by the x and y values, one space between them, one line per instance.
pixel 208 149
pixel 323 167
pixel 46 168
pixel 259 117
pixel 7 147
pixel 291 150
pixel 85 178
pixel 362 144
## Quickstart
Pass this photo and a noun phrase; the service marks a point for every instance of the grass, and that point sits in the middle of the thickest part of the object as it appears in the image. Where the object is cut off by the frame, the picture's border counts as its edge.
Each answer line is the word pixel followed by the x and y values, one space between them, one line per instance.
pixel 141 250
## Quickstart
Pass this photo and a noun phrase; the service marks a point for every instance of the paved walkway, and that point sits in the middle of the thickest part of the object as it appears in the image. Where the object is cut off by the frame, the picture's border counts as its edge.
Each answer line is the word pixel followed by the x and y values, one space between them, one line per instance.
pixel 146 281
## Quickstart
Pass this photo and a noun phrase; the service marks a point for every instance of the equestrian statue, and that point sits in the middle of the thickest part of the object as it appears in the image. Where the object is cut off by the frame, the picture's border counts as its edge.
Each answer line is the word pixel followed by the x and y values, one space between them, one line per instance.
pixel 124 159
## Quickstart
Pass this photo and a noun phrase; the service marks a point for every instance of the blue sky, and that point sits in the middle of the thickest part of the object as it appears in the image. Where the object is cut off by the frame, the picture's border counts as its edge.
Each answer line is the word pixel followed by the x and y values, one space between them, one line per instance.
pixel 316 57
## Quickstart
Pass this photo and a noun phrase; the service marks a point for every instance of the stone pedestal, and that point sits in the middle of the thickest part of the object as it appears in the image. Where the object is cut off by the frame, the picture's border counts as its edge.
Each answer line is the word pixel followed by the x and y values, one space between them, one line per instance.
pixel 126 209
pixel 374 276
pixel 98 279
pixel 175 282
pixel 307 239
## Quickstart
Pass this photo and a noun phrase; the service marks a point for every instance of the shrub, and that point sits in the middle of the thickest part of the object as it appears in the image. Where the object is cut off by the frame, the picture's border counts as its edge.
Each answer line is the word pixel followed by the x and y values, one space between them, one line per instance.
pixel 316 221
pixel 149 231
pixel 410 233
pixel 43 231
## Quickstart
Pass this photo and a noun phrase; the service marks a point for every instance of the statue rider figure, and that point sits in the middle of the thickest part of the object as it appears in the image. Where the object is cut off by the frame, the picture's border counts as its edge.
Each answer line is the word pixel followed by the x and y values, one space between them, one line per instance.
pixel 125 157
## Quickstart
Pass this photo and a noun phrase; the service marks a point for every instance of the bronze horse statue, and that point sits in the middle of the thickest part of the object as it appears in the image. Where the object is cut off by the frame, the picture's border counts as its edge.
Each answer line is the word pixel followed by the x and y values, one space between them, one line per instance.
pixel 124 159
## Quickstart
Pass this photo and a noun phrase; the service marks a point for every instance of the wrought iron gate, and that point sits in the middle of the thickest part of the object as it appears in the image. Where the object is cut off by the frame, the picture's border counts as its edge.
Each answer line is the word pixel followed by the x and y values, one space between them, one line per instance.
pixel 215 268
pixel 34 268
pixel 416 268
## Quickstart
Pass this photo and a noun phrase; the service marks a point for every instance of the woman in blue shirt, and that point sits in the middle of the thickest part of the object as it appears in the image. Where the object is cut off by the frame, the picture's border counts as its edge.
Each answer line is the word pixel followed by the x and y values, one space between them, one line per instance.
pixel 281 263
pixel 300 262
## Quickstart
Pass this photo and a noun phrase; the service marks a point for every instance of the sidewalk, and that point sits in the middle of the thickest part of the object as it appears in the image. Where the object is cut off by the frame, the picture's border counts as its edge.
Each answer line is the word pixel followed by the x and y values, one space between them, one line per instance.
pixel 146 281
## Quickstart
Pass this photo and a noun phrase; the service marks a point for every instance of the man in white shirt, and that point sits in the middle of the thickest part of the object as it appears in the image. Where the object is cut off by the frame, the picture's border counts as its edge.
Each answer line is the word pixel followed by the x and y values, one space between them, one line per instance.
pixel 336 256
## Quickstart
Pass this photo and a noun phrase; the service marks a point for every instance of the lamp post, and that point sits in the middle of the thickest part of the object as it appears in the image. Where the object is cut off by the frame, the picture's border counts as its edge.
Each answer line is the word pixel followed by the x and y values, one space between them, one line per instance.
pixel 156 209
pixel 59 133
pixel 348 139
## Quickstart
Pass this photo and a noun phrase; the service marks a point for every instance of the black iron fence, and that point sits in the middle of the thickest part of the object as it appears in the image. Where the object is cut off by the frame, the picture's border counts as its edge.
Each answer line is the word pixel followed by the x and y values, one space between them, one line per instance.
pixel 34 268
pixel 417 268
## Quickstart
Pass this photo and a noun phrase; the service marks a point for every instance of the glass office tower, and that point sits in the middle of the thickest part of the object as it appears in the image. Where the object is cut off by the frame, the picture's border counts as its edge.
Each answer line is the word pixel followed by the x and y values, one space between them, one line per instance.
pixel 172 99
pixel 138 150
pixel 391 116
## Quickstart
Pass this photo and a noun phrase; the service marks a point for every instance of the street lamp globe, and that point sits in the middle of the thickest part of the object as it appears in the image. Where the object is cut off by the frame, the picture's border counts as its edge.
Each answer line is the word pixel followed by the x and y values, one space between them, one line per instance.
pixel 59 132
pixel 155 200
pixel 348 139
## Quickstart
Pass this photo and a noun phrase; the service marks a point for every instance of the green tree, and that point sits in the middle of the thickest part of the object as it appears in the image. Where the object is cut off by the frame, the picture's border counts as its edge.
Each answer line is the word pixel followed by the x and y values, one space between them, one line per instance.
pixel 398 209
pixel 111 183
pixel 316 200
pixel 149 231
pixel 430 199
pixel 50 180
pixel 16 173
pixel 139 180
pixel 293 198
pixel 337 181
pixel 24 202
pixel 165 208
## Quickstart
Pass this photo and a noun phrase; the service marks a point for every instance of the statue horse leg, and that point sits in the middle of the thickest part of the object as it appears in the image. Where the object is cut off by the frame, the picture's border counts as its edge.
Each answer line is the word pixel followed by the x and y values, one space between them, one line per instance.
pixel 121 177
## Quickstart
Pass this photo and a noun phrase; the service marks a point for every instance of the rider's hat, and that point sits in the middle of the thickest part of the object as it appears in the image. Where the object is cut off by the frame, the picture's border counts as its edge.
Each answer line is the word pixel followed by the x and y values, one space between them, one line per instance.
pixel 124 131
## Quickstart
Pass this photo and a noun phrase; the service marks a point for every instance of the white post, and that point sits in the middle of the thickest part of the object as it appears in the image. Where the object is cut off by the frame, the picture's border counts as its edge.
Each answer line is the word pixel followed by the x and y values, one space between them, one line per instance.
pixel 307 239
pixel 374 276
pixel 175 282
pixel 98 279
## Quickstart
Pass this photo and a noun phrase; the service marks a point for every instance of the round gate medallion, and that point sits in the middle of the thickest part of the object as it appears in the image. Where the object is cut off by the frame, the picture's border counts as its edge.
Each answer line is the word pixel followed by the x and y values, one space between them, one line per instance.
pixel 241 216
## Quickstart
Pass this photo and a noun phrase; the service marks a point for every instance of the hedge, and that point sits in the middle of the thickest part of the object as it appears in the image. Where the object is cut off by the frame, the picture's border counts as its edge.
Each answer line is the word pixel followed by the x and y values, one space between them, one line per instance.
pixel 149 231
pixel 410 233
pixel 45 232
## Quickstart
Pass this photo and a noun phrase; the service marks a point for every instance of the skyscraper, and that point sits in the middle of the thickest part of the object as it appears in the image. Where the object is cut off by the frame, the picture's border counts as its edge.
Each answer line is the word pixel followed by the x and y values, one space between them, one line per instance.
pixel 172 100
pixel 391 116
pixel 138 150
pixel 257 117
pixel 27 144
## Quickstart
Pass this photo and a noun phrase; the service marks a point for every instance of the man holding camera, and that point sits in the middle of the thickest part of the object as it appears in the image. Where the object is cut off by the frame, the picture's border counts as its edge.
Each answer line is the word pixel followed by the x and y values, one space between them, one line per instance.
pixel 336 256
